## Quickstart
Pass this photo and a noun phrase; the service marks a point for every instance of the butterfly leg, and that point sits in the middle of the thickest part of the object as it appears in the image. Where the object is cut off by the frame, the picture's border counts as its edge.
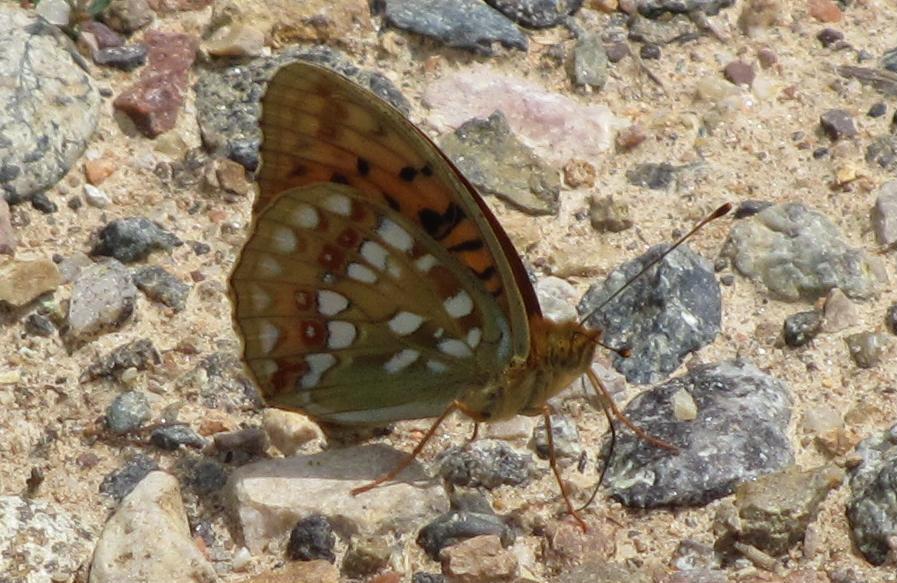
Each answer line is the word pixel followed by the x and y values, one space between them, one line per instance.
pixel 476 431
pixel 552 460
pixel 606 397
pixel 388 476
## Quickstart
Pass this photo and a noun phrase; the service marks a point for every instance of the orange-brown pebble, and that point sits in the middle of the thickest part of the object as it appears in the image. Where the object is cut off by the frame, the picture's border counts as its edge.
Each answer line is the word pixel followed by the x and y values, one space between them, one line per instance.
pixel 824 10
pixel 606 6
pixel 212 424
pixel 97 171
pixel 232 177
pixel 579 173
pixel 630 137
pixel 480 558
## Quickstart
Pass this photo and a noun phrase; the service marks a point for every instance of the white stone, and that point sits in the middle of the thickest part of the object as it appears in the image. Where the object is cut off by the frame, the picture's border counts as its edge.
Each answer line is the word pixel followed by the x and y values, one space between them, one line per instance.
pixel 272 495
pixel 148 539
pixel 557 297
pixel 96 197
pixel 289 431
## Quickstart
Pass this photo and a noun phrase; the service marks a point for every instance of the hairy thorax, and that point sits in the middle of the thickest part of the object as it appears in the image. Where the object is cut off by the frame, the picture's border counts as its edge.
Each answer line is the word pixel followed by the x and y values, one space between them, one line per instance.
pixel 559 353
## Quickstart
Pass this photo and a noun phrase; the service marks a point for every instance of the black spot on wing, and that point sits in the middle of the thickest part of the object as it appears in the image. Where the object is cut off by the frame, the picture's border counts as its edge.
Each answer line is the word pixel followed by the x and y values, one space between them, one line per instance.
pixel 299 170
pixel 486 274
pixel 408 173
pixel 440 225
pixel 363 166
pixel 471 245
pixel 392 202
pixel 339 178
pixel 426 170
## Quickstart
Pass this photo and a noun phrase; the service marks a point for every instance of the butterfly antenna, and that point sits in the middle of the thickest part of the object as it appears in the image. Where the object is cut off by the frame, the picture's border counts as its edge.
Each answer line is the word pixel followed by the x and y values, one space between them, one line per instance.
pixel 721 211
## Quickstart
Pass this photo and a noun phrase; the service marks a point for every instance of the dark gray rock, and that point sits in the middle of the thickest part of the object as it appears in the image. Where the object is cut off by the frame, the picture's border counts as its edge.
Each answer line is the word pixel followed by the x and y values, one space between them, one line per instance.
pixel 462 24
pixel 883 151
pixel 650 175
pixel 140 354
pixel 127 412
pixel 206 476
pixel 891 318
pixel 536 13
pixel 564 434
pixel 39 325
pixel 867 348
pixel 749 208
pixel 884 214
pixel 838 124
pixel 454 527
pixel 50 110
pixel 312 538
pixel 120 482
pixel 428 578
pixel 486 463
pixel 740 432
pixel 797 253
pixel 802 327
pixel 163 287
pixel 227 100
pixel 657 8
pixel 669 311
pixel 126 58
pixel 872 508
pixel 41 202
pixel 494 160
pixel 590 62
pixel 133 239
pixel 172 437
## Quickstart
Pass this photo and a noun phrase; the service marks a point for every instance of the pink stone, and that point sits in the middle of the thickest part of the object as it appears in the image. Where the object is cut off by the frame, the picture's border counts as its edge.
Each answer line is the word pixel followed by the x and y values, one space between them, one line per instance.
pixel 172 52
pixel 105 36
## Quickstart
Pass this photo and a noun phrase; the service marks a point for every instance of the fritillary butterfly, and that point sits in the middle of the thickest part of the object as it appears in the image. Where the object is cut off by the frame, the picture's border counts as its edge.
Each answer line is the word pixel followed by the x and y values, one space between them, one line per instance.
pixel 376 285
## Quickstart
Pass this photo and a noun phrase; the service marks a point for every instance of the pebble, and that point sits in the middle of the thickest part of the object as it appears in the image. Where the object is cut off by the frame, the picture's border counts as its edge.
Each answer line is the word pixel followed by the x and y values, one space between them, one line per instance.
pixel 241 445
pixel 590 61
pixel 24 280
pixel 126 58
pixel 867 348
pixel 104 36
pixel 556 298
pixel 617 51
pixel 463 24
pixel 667 312
pixel 798 253
pixel 289 431
pixel 838 124
pixel 659 8
pixel 579 173
pixel 884 214
pixel 123 480
pixel 564 434
pixel 829 36
pixel 891 318
pixel 103 298
pixel 133 239
pixel 129 547
pixel 366 556
pixel 767 57
pixel 740 433
pixel 7 235
pixel 137 355
pixel 162 287
pixel 312 539
pixel 128 16
pixel 485 463
pixel 236 40
pixel 840 312
pixel 128 412
pixel 651 175
pixel 877 109
pixel 872 507
pixel 95 197
pixel 479 560
pixel 496 162
pixel 883 151
pixel 824 10
pixel 39 325
pixel 456 526
pixel 609 215
pixel 41 541
pixel 739 73
pixel 536 13
pixel 269 494
pixel 630 138
pixel 802 327
pixel 172 437
pixel 41 202
pixel 649 51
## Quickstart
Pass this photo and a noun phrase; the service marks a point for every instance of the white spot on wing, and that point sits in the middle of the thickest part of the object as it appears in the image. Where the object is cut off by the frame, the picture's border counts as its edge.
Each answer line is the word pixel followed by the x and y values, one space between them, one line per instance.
pixel 339 204
pixel 268 267
pixel 375 254
pixel 341 334
pixel 436 366
pixel 455 348
pixel 405 323
pixel 318 364
pixel 459 305
pixel 393 268
pixel 425 263
pixel 331 303
pixel 473 337
pixel 401 360
pixel 361 273
pixel 305 216
pixel 284 239
pixel 395 236
pixel 268 335
pixel 259 298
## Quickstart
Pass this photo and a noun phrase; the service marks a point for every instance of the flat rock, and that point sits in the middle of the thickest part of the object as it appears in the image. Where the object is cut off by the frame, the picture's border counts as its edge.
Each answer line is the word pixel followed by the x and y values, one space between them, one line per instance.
pixel 884 214
pixel 872 508
pixel 536 13
pixel 798 253
pixel 22 281
pixel 40 542
pixel 739 433
pixel 103 298
pixel 463 24
pixel 272 495
pixel 56 101
pixel 148 539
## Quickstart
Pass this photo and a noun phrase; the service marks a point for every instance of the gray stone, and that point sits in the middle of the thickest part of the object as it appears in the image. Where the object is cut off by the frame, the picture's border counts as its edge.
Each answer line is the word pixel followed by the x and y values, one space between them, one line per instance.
pixel 883 151
pixel 884 214
pixel 126 58
pixel 103 298
pixel 867 348
pixel 564 434
pixel 650 175
pixel 657 8
pixel 797 253
pixel 608 214
pixel 485 463
pixel 494 160
pixel 133 239
pixel 459 525
pixel 838 124
pixel 128 15
pixel 463 24
pixel 227 100
pixel 120 482
pixel 40 542
pixel 163 287
pixel 51 109
pixel 312 538
pixel 801 327
pixel 590 63
pixel 127 412
pixel 171 437
pixel 669 311
pixel 740 433
pixel 536 13
pixel 872 508
pixel 139 354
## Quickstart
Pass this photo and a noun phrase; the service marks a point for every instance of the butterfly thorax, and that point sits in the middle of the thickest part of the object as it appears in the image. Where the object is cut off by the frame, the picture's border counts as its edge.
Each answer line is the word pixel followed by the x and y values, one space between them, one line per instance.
pixel 560 352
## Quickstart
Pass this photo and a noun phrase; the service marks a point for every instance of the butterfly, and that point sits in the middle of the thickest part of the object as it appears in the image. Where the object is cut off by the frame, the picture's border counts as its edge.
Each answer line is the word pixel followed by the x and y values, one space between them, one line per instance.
pixel 376 285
